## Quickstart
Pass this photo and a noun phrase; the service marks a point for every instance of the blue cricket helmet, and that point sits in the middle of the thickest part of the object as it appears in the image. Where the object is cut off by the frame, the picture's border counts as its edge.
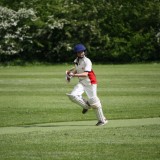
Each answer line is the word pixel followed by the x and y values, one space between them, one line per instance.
pixel 79 48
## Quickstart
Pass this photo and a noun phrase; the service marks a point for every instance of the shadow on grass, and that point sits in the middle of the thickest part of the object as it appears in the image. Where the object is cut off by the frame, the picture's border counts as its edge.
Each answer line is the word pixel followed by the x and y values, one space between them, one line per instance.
pixel 53 125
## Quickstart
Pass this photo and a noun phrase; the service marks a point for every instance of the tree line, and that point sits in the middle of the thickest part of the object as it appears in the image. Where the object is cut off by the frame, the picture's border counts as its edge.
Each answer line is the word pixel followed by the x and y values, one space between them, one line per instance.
pixel 114 31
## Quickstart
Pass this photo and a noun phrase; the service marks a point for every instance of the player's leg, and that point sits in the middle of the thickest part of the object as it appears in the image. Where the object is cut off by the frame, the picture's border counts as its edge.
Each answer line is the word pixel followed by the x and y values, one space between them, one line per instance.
pixel 76 97
pixel 95 103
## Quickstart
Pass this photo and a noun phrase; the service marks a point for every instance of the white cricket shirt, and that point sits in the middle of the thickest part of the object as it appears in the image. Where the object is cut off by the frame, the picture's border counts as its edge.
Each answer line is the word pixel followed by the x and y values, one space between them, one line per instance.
pixel 85 65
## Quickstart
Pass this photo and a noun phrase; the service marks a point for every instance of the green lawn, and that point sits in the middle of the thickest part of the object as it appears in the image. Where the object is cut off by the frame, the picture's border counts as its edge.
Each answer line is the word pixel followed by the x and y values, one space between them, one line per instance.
pixel 37 120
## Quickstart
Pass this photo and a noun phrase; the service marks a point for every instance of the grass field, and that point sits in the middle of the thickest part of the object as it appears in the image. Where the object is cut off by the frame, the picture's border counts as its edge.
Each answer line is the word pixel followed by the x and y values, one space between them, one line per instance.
pixel 37 120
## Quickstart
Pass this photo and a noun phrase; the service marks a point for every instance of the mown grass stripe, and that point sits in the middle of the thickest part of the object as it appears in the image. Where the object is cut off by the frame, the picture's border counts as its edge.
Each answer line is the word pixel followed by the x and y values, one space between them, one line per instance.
pixel 78 125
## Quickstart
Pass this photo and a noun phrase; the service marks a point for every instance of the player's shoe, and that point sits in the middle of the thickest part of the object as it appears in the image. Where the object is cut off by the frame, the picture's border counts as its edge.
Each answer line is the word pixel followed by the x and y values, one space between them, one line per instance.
pixel 100 123
pixel 84 111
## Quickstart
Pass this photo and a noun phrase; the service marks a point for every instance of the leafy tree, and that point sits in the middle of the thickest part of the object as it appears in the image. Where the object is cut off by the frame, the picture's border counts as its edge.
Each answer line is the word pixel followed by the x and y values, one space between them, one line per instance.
pixel 113 31
pixel 14 32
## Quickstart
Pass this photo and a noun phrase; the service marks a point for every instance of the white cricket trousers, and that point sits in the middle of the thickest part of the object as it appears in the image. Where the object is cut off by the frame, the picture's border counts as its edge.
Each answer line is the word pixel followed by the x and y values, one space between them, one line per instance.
pixel 91 91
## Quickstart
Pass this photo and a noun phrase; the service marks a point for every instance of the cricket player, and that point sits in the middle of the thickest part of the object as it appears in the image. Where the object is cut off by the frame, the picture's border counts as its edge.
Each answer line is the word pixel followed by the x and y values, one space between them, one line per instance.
pixel 87 84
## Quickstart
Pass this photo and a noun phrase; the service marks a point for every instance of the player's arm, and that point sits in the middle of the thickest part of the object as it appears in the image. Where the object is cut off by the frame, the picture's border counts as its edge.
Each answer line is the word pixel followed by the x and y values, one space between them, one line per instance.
pixel 69 73
pixel 84 74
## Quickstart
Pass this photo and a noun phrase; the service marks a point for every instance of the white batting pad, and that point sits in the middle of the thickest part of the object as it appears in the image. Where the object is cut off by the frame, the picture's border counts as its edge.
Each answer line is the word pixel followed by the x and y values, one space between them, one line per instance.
pixel 94 102
pixel 78 100
pixel 99 114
